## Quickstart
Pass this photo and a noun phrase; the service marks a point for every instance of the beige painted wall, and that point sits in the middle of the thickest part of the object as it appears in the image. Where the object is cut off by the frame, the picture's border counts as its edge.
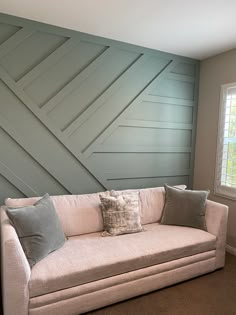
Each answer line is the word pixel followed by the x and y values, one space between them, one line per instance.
pixel 214 72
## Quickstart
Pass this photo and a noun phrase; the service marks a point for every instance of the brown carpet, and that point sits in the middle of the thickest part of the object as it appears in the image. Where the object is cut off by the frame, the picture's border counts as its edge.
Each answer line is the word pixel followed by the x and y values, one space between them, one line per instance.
pixel 214 293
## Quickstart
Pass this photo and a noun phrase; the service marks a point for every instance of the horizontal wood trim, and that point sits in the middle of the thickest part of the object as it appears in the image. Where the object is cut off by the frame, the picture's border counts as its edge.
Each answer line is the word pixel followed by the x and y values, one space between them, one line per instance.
pixel 180 77
pixel 145 182
pixel 154 124
pixel 152 173
pixel 136 149
pixel 150 177
pixel 168 100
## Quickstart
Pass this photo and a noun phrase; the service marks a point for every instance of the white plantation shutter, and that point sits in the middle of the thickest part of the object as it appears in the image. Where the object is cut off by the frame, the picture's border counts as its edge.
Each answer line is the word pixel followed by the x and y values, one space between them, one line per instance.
pixel 225 179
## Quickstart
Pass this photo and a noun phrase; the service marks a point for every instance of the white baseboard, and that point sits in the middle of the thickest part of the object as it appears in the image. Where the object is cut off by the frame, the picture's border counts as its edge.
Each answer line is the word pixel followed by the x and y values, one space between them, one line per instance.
pixel 231 250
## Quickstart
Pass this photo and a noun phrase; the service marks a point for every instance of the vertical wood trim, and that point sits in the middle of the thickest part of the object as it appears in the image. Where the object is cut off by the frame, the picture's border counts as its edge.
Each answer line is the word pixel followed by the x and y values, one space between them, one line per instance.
pixel 195 109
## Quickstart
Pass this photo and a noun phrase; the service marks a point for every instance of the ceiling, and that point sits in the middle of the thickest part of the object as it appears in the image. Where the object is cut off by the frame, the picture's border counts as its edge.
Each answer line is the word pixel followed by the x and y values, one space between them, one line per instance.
pixel 197 29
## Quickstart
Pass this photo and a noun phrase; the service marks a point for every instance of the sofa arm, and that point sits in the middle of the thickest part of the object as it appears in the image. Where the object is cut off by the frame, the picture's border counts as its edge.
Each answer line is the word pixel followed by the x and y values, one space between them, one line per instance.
pixel 216 221
pixel 15 270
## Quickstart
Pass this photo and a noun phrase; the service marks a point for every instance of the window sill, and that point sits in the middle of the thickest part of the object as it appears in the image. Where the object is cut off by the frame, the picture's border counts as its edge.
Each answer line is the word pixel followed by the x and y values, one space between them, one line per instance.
pixel 226 192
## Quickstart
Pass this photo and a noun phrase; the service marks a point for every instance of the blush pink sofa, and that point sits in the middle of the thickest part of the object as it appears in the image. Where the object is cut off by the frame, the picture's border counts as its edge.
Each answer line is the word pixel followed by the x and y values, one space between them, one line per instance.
pixel 91 271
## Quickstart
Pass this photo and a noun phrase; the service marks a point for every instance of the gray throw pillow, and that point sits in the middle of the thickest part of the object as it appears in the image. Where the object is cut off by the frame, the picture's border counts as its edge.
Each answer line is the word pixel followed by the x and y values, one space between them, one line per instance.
pixel 184 207
pixel 38 228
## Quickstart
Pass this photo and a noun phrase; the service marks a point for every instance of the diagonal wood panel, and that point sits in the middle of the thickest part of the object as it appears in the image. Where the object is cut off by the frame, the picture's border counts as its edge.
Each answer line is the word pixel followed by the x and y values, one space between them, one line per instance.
pixel 125 111
pixel 120 101
pixel 113 88
pixel 20 122
pixel 81 114
pixel 14 40
pixel 66 70
pixel 75 82
pixel 8 189
pixel 16 181
pixel 50 61
pixel 7 31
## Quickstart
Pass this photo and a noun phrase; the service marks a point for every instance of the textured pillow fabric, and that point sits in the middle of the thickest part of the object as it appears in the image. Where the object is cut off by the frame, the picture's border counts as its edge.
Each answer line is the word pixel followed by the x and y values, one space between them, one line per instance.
pixel 184 207
pixel 38 228
pixel 121 214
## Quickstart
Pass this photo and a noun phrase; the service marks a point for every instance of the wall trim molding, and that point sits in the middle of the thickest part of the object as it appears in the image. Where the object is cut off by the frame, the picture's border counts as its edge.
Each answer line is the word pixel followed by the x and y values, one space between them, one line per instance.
pixel 231 250
pixel 98 114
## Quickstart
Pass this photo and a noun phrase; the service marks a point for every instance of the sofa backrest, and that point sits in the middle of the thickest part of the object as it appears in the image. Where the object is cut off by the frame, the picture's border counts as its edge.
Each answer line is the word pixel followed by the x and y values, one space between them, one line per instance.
pixel 81 214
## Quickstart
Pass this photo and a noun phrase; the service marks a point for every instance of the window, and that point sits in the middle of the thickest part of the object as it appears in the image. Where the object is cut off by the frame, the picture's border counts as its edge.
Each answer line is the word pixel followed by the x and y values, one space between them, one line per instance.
pixel 225 180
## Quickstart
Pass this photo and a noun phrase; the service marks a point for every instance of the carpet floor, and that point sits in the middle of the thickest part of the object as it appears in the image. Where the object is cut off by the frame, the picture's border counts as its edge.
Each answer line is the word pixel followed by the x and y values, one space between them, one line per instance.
pixel 211 294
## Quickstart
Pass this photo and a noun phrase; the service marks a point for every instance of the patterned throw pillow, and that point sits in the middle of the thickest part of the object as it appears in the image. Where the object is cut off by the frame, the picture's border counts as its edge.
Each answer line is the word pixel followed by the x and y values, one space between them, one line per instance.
pixel 121 213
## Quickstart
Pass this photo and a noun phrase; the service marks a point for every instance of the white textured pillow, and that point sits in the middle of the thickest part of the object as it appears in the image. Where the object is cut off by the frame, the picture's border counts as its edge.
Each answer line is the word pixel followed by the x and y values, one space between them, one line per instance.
pixel 121 213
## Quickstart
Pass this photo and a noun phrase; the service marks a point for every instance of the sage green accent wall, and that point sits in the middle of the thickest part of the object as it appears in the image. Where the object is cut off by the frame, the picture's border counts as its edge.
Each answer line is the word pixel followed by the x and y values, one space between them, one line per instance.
pixel 81 114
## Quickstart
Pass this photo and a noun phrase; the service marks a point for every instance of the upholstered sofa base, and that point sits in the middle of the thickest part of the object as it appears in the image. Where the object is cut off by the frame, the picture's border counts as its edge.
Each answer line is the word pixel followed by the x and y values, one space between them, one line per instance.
pixel 90 272
pixel 107 291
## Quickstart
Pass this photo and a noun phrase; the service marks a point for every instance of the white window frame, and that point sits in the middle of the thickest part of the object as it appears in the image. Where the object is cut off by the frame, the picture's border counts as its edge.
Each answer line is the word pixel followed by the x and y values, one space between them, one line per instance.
pixel 220 189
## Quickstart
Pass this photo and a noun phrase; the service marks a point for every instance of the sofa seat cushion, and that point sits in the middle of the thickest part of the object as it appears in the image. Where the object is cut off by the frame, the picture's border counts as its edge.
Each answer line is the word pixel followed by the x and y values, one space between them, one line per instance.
pixel 90 257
